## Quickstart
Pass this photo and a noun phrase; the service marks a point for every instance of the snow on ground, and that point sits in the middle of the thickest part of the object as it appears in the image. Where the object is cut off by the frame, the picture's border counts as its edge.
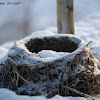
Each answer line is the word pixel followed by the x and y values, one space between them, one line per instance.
pixel 6 94
pixel 89 30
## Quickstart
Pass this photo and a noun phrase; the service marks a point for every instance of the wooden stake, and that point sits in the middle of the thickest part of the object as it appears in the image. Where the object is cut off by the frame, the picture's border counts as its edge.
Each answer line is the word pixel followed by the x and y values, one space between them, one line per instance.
pixel 65 16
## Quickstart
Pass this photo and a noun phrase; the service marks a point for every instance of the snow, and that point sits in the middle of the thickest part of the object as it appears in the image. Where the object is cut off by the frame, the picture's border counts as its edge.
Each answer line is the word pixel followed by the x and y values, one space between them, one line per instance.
pixel 46 33
pixel 3 51
pixel 41 33
pixel 19 48
pixel 3 54
pixel 38 34
pixel 51 54
pixel 88 29
pixel 87 26
pixel 6 94
pixel 97 62
pixel 96 71
pixel 7 45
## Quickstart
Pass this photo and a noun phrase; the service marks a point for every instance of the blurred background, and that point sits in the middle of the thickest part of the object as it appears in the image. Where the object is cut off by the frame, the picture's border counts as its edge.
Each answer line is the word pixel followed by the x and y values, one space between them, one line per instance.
pixel 18 21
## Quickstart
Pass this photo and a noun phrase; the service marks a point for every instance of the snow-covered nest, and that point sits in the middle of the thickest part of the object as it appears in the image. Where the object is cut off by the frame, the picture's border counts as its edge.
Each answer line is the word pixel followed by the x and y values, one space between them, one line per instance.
pixel 48 64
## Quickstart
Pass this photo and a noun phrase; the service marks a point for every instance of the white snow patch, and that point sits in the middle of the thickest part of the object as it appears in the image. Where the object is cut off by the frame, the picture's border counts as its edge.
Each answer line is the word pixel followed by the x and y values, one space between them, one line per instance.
pixel 96 70
pixel 41 33
pixel 97 62
pixel 36 34
pixel 6 94
pixel 89 30
pixel 3 51
pixel 3 54
pixel 52 54
pixel 8 45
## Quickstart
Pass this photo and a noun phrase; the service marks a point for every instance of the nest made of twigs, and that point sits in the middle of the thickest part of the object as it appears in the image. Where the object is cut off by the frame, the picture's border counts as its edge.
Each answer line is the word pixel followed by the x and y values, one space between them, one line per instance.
pixel 64 76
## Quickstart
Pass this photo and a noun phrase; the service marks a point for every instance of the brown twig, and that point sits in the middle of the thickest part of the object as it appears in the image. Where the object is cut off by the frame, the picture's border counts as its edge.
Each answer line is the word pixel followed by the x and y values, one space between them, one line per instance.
pixel 88 43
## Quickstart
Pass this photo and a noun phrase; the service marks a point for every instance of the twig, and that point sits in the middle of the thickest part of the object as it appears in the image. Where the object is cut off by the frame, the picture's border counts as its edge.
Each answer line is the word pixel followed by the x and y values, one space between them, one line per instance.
pixel 88 43
pixel 28 82
pixel 17 80
pixel 79 93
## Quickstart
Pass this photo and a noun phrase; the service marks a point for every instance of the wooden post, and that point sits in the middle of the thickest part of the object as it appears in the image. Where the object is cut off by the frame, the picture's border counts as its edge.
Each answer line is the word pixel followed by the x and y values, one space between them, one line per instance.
pixel 65 16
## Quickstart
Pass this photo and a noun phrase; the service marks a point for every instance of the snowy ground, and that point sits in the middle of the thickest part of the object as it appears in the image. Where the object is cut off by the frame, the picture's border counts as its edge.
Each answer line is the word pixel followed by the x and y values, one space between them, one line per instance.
pixel 87 26
pixel 9 95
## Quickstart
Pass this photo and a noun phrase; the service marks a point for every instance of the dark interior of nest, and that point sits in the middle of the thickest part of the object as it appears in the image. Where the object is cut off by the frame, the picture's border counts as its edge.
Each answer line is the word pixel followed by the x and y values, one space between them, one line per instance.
pixel 62 44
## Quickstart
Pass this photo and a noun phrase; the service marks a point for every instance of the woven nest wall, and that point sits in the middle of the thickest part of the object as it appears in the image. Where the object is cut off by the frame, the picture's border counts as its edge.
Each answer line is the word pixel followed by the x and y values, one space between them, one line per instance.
pixel 28 74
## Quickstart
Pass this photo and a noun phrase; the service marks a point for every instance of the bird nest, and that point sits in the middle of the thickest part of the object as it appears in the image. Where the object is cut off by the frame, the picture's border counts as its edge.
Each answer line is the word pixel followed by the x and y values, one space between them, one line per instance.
pixel 26 73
